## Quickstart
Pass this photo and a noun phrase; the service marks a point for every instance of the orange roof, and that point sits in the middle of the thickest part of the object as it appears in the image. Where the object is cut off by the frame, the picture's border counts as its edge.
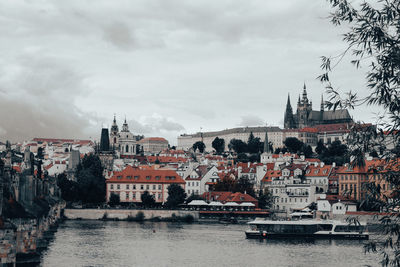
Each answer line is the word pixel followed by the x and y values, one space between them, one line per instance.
pixel 318 171
pixel 309 130
pixel 136 175
pixel 271 174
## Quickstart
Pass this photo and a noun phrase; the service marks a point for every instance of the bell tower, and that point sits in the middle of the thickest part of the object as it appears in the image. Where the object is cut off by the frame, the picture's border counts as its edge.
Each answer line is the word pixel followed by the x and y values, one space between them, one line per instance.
pixel 304 108
pixel 114 134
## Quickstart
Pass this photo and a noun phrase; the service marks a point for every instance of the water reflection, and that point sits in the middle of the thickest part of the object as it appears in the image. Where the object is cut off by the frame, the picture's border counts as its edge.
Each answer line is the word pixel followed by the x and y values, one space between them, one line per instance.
pixel 98 243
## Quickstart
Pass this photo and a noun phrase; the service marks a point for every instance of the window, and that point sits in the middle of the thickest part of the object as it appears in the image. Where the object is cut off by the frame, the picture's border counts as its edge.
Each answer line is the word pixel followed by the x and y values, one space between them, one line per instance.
pixel 127 195
pixel 119 177
pixel 129 176
pixel 158 177
pixel 159 187
pixel 111 186
pixel 154 187
pixel 147 187
pixel 159 196
pixel 118 187
pixel 133 195
pixel 127 186
pixel 134 186
pixel 148 177
pixel 136 177
pixel 141 187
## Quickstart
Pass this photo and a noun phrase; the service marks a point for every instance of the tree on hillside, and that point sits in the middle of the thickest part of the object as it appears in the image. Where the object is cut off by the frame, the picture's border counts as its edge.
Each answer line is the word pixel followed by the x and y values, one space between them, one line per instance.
pixel 242 157
pixel 40 154
pixel 307 151
pixel 218 144
pixel 193 197
pixel 176 196
pixel 254 145
pixel 114 199
pixel 69 189
pixel 199 145
pixel 238 146
pixel 373 42
pixel 321 148
pixel 243 185
pixel 293 144
pixel 226 184
pixel 147 199
pixel 265 199
pixel 91 182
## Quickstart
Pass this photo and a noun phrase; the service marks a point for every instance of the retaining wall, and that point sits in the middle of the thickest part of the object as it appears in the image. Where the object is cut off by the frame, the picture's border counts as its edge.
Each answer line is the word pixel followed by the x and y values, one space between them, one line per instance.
pixel 122 214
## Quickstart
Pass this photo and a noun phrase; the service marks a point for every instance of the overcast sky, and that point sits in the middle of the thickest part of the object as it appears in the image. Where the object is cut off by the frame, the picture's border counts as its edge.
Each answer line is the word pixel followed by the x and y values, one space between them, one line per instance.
pixel 170 67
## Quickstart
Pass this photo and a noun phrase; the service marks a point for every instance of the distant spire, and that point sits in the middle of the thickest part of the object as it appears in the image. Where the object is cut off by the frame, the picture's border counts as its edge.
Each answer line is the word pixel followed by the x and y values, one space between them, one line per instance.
pixel 115 120
pixel 266 143
pixel 305 99
pixel 288 102
pixel 298 101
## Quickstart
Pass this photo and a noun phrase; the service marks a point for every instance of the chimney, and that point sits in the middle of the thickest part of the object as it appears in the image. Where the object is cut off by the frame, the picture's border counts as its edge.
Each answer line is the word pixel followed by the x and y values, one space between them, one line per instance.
pixel 322 164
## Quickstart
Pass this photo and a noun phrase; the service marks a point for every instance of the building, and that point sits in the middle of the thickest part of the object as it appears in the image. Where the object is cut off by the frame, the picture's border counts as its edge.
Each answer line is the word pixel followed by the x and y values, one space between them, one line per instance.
pixel 306 117
pixel 131 182
pixel 153 145
pixel 197 179
pixel 186 141
pixel 353 180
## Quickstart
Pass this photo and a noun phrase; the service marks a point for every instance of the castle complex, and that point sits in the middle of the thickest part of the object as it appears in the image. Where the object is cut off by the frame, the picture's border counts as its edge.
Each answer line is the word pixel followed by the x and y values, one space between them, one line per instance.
pixel 306 117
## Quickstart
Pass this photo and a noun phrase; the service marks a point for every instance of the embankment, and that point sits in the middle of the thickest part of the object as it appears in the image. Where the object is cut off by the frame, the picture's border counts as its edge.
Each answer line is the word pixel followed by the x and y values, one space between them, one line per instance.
pixel 125 214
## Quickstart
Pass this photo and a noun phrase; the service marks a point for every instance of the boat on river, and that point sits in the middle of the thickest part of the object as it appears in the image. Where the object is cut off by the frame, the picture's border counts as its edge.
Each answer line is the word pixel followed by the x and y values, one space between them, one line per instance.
pixel 306 229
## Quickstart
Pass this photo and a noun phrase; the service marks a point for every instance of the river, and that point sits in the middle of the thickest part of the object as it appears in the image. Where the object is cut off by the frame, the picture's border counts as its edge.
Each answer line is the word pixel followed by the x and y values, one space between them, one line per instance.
pixel 113 243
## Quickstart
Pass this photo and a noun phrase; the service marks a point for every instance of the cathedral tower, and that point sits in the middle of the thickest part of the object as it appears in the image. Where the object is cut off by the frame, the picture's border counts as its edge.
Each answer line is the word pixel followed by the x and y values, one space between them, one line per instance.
pixel 304 108
pixel 114 134
pixel 289 122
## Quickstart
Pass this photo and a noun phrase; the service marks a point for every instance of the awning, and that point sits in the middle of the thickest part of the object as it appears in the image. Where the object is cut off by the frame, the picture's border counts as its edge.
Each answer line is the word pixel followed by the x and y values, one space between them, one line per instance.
pixel 198 203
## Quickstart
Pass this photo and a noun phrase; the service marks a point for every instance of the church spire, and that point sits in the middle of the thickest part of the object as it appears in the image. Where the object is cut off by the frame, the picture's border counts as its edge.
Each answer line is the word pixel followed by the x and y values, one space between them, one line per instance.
pixel 266 143
pixel 288 120
pixel 305 99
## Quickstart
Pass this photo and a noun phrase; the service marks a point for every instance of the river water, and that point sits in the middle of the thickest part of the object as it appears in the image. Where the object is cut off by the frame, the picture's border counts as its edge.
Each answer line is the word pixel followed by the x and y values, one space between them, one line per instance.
pixel 98 243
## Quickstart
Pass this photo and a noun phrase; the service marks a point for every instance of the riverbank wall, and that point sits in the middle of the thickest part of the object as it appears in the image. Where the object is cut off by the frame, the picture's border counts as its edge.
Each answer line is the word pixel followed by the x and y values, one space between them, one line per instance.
pixel 23 239
pixel 125 214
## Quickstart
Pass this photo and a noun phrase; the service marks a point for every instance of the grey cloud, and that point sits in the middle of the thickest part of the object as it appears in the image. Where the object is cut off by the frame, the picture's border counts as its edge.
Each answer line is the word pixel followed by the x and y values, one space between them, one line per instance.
pixel 154 125
pixel 40 101
pixel 120 35
pixel 251 120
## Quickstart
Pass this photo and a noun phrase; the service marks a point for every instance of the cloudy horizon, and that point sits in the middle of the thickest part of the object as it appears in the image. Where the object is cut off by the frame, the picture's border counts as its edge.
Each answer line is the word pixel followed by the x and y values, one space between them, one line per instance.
pixel 169 67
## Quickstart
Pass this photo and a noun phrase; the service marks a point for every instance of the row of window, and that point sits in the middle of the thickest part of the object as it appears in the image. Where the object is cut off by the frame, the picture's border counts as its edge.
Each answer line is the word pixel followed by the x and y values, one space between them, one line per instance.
pixel 137 195
pixel 142 187
pixel 196 192
pixel 294 200
pixel 136 177
pixel 193 183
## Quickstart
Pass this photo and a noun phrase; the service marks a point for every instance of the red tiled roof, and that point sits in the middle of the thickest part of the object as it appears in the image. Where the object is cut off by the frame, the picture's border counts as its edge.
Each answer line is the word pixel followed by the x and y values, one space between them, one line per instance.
pixel 136 175
pixel 312 171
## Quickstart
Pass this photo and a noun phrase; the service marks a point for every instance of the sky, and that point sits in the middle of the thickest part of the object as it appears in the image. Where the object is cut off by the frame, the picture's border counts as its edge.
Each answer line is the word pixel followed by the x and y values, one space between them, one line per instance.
pixel 167 66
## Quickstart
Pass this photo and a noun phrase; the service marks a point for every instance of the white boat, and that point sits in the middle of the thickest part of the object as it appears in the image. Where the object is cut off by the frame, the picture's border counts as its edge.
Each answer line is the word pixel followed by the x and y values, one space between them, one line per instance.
pixel 306 229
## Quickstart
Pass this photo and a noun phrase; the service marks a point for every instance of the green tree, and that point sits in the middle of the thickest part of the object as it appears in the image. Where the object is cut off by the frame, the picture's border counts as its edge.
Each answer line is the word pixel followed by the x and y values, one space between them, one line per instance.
pixel 147 199
pixel 114 199
pixel 238 146
pixel 91 182
pixel 243 185
pixel 40 154
pixel 321 148
pixel 176 196
pixel 199 145
pixel 265 199
pixel 255 145
pixel 293 144
pixel 193 197
pixel 219 145
pixel 242 157
pixel 69 189
pixel 373 42
pixel 307 150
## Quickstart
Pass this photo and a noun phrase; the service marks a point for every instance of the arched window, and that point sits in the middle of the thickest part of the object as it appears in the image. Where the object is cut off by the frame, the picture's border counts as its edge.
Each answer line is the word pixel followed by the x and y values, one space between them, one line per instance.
pixel 127 149
pixel 115 140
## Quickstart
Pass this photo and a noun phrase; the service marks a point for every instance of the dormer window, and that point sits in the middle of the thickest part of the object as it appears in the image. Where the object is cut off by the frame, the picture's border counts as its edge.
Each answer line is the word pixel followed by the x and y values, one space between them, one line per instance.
pixel 129 176
pixel 136 177
pixel 148 177
pixel 158 177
